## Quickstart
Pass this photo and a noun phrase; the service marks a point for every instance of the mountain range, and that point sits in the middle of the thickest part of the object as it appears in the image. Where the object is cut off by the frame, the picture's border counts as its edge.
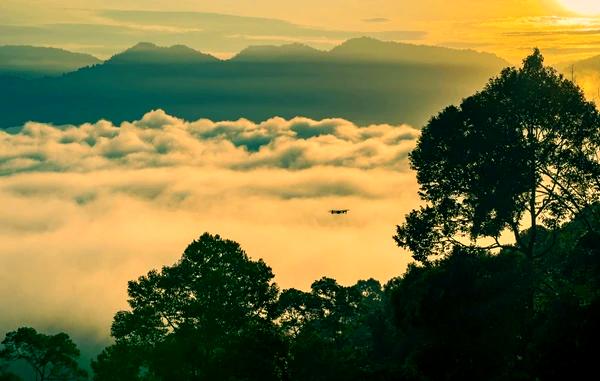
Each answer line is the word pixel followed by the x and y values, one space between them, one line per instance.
pixel 586 74
pixel 364 80
pixel 32 62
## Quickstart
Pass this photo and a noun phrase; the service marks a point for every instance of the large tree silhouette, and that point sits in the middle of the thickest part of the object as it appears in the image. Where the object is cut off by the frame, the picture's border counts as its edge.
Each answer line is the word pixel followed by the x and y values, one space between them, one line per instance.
pixel 337 332
pixel 519 155
pixel 52 357
pixel 206 317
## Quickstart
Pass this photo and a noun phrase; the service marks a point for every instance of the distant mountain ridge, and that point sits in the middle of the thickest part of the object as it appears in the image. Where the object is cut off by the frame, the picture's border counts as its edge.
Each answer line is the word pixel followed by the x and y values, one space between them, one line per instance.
pixel 363 49
pixel 33 61
pixel 149 53
pixel 592 63
pixel 586 74
pixel 364 80
pixel 283 52
pixel 370 49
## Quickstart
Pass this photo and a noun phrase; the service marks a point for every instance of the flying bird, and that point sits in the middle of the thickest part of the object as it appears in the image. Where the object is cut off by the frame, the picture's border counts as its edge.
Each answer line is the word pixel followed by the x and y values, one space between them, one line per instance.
pixel 339 211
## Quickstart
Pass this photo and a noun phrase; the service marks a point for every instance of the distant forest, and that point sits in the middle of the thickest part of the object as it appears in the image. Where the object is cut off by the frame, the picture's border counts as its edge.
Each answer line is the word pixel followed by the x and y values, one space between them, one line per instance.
pixel 504 284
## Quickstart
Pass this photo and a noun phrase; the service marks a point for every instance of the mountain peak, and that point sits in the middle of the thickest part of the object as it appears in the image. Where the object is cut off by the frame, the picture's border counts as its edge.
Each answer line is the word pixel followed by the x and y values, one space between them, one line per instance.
pixel 371 49
pixel 144 46
pixel 36 61
pixel 363 40
pixel 295 52
pixel 150 53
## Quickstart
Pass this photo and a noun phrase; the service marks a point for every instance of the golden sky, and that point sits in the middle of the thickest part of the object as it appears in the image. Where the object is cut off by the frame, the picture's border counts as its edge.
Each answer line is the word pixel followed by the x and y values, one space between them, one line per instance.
pixel 509 28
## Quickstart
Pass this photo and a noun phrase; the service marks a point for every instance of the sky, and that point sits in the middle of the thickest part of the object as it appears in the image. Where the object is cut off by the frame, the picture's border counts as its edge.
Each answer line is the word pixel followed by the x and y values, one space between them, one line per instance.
pixel 566 30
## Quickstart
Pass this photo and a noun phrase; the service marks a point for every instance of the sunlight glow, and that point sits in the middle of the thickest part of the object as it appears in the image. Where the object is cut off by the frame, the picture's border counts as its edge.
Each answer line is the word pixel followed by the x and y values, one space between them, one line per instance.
pixel 583 7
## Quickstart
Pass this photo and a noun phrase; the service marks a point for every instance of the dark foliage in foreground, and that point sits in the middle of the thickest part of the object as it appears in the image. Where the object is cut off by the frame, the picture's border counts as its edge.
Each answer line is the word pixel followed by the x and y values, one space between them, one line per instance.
pixel 462 317
pixel 50 357
pixel 523 152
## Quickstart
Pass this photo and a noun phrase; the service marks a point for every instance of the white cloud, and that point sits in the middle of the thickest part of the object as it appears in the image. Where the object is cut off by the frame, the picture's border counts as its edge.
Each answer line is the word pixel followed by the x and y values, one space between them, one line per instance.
pixel 87 208
pixel 161 140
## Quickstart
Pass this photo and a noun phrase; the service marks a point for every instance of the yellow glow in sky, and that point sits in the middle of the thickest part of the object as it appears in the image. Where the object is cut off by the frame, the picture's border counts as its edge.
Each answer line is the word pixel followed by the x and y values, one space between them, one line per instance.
pixel 583 7
pixel 563 29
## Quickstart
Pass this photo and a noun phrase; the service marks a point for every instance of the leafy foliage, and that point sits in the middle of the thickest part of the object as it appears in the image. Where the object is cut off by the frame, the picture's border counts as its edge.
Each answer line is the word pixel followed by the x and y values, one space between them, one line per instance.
pixel 52 357
pixel 525 146
pixel 207 316
pixel 337 332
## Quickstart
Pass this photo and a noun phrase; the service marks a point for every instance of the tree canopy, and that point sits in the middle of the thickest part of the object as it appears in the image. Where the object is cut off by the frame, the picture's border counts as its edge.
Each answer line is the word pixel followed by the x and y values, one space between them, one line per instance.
pixel 520 154
pixel 51 357
pixel 337 332
pixel 192 317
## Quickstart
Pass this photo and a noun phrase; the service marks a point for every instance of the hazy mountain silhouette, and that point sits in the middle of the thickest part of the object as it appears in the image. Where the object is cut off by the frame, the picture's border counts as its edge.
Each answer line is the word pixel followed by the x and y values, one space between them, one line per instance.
pixel 586 73
pixel 199 30
pixel 364 80
pixel 31 61
pixel 588 64
pixel 370 49
pixel 291 52
pixel 148 53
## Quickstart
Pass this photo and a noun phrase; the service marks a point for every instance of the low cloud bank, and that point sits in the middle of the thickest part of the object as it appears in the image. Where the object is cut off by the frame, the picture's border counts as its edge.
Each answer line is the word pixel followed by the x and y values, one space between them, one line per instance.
pixel 87 208
pixel 159 140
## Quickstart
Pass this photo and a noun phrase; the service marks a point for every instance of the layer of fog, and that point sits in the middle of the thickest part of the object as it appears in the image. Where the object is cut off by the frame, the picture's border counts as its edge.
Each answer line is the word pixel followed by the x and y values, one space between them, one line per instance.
pixel 87 208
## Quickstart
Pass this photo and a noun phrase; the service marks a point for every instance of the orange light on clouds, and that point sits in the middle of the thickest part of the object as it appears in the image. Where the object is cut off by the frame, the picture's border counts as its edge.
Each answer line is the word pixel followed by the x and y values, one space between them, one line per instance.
pixel 583 7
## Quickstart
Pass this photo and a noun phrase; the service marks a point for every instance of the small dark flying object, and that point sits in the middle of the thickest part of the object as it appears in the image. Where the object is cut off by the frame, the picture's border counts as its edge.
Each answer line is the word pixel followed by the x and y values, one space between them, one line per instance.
pixel 339 211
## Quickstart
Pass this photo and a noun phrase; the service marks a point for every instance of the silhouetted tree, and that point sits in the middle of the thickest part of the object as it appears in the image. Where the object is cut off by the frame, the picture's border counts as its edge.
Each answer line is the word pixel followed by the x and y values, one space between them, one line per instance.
pixel 209 316
pixel 337 332
pixel 468 316
pixel 566 327
pixel 463 318
pixel 52 357
pixel 522 152
pixel 121 362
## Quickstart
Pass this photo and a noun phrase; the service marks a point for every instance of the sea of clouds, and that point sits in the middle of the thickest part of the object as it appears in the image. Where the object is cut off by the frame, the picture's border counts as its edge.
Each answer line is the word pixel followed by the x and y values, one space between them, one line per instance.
pixel 87 208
